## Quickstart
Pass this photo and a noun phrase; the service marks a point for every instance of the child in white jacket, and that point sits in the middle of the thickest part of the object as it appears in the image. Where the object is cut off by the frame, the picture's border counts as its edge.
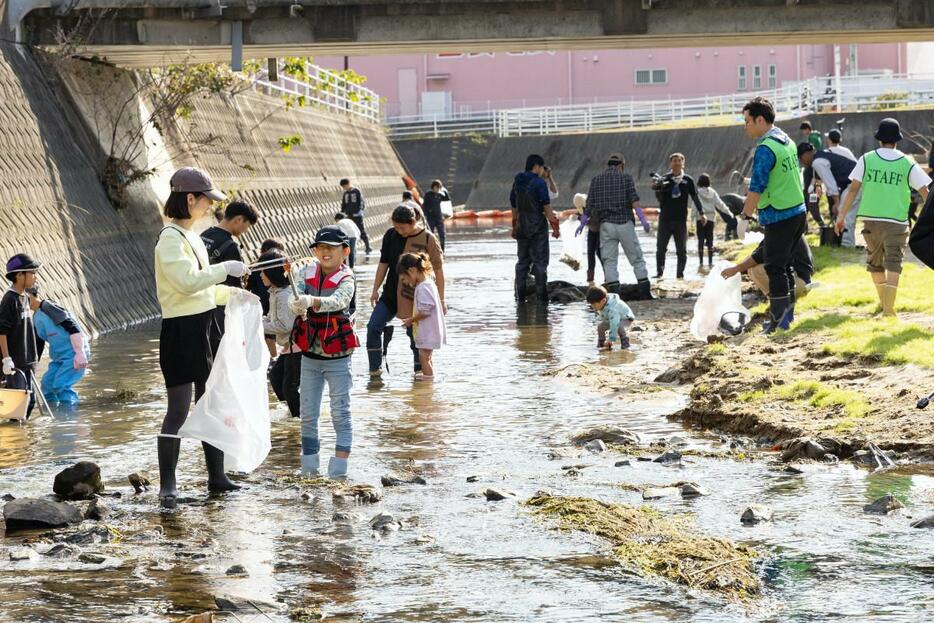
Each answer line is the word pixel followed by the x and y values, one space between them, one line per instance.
pixel 285 373
pixel 712 205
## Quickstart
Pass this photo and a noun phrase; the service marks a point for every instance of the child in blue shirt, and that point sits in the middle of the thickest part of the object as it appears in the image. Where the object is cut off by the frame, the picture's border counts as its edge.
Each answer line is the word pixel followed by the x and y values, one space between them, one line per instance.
pixel 613 315
pixel 68 349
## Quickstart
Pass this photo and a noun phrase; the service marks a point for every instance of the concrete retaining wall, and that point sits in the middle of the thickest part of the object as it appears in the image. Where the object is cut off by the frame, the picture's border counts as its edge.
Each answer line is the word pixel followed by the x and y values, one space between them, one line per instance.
pixel 456 161
pixel 576 158
pixel 98 260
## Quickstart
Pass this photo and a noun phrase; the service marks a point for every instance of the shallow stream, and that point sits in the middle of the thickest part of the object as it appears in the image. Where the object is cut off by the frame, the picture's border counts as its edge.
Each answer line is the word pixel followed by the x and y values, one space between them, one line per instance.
pixel 493 412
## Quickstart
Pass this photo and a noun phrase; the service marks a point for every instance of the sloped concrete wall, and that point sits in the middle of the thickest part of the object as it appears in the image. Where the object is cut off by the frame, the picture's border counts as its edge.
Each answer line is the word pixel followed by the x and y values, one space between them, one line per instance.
pixel 53 207
pixel 99 260
pixel 456 161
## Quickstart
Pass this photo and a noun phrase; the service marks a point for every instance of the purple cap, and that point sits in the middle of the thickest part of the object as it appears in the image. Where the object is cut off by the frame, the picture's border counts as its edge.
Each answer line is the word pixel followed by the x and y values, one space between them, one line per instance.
pixel 192 180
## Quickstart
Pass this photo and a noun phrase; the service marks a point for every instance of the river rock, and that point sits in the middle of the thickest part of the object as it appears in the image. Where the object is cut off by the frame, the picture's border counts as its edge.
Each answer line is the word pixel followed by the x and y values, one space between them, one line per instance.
pixel 668 457
pixel 596 446
pixel 473 478
pixel 61 550
pixel 97 510
pixel 22 553
pixel 7 497
pixel 394 480
pixel 671 375
pixel 656 493
pixel 140 481
pixel 236 603
pixel 384 522
pixel 496 495
pixel 693 490
pixel 607 434
pixel 30 513
pixel 791 468
pixel 884 505
pixel 97 534
pixel 237 570
pixel 927 522
pixel 91 558
pixel 623 463
pixel 364 494
pixel 756 513
pixel 78 482
pixel 804 448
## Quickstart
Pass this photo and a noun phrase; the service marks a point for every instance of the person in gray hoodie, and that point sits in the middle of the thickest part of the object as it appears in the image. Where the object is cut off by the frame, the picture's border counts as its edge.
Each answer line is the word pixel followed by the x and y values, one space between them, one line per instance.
pixel 285 373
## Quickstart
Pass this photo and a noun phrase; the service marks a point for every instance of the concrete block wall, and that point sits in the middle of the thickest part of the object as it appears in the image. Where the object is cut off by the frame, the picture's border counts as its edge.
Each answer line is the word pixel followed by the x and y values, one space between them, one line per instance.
pixel 53 207
pixel 456 161
pixel 99 260
pixel 296 192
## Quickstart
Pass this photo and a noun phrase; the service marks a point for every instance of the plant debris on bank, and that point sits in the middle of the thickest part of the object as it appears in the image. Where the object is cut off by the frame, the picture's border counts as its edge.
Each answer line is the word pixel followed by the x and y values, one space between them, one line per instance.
pixel 655 545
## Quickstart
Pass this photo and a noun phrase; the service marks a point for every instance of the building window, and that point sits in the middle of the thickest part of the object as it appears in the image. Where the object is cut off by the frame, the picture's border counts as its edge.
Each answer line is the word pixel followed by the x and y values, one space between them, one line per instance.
pixel 773 77
pixel 756 77
pixel 741 78
pixel 646 77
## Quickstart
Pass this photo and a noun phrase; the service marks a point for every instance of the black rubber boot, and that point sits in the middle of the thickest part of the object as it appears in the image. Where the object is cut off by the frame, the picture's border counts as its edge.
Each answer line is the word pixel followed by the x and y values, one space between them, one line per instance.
pixel 218 482
pixel 167 448
pixel 779 308
pixel 645 290
pixel 612 287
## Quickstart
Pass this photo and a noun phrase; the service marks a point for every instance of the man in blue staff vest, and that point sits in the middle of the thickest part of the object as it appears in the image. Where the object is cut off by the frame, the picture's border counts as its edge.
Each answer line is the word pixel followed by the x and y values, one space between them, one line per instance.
pixel 775 192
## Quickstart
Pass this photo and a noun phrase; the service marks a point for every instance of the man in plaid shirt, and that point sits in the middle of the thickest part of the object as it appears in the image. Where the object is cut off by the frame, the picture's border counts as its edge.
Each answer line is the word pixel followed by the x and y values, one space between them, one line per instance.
pixel 612 198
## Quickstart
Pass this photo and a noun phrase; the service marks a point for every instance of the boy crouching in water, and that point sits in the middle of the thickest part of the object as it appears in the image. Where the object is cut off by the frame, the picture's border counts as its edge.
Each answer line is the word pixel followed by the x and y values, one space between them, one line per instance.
pixel 613 315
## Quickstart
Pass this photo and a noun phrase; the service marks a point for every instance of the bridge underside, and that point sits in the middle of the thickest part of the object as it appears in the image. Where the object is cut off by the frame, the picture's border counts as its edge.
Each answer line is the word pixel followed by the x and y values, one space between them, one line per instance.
pixel 172 31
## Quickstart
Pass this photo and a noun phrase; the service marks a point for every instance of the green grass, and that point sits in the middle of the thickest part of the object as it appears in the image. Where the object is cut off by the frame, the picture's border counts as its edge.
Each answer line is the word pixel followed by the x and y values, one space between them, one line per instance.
pixel 842 307
pixel 819 395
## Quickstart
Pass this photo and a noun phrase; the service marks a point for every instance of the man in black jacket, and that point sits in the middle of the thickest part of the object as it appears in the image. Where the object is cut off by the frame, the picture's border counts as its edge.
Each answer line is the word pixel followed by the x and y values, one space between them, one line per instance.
pixel 431 206
pixel 672 192
pixel 353 205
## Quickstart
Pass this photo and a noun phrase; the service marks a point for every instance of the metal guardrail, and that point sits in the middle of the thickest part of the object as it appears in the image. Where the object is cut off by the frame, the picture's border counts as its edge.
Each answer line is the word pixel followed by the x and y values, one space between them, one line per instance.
pixel 856 93
pixel 324 88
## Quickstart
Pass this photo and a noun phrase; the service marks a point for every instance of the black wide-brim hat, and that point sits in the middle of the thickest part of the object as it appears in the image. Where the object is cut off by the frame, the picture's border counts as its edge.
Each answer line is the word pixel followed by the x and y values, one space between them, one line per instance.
pixel 21 263
pixel 889 131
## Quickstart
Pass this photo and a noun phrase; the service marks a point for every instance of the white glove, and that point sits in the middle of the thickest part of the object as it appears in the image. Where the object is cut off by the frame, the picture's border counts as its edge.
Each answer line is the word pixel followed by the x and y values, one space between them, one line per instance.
pixel 8 367
pixel 235 268
pixel 300 305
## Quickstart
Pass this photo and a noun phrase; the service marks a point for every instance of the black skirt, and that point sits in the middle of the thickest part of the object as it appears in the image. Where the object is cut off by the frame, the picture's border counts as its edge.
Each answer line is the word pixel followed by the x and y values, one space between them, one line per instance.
pixel 185 354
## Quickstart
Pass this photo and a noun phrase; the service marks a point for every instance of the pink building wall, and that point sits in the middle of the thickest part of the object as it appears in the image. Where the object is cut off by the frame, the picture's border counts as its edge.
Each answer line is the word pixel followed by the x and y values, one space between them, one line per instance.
pixel 498 80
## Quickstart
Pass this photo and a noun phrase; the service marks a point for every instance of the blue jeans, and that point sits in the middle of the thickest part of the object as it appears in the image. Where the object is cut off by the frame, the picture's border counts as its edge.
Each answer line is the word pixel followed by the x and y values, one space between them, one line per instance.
pixel 336 373
pixel 379 318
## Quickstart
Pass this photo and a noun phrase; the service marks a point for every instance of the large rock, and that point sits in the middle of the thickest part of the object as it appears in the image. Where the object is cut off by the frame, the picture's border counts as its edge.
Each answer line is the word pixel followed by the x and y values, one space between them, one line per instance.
pixel 884 505
pixel 668 457
pixel 927 522
pixel 805 448
pixel 756 513
pixel 395 480
pixel 32 513
pixel 606 434
pixel 79 482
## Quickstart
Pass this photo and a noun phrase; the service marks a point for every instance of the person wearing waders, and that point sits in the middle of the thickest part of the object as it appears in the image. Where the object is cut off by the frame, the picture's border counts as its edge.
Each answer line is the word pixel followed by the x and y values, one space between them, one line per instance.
pixel 886 177
pixel 775 192
pixel 531 216
pixel 673 191
pixel 18 344
pixel 833 170
pixel 324 334
pixel 189 289
pixel 407 235
pixel 353 205
pixel 221 243
pixel 611 200
pixel 68 349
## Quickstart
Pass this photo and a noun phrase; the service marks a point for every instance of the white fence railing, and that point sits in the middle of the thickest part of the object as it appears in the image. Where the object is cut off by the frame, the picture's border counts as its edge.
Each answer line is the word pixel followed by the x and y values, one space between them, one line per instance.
pixel 856 93
pixel 323 88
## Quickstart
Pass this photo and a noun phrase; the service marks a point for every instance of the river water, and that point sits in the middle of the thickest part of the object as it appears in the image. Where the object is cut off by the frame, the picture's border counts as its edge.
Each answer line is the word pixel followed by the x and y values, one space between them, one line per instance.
pixel 493 412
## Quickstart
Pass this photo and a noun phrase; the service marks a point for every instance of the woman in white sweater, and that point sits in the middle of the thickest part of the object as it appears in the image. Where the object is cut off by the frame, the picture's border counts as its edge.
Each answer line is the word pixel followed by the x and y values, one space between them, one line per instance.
pixel 188 289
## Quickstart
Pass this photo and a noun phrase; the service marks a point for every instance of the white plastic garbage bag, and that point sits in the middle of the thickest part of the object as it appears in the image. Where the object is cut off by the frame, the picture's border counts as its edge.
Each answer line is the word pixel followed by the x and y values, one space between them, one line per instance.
pixel 447 209
pixel 718 298
pixel 571 244
pixel 233 413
